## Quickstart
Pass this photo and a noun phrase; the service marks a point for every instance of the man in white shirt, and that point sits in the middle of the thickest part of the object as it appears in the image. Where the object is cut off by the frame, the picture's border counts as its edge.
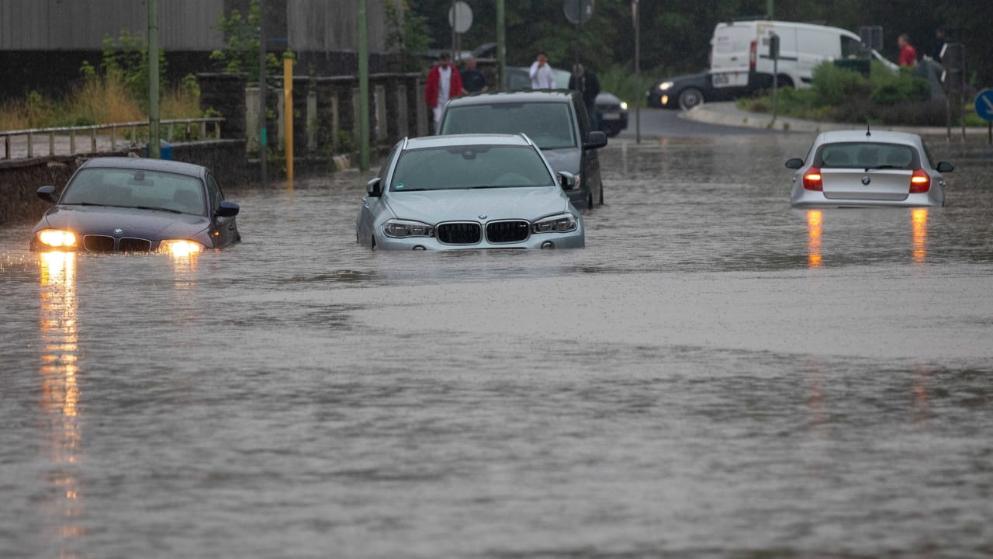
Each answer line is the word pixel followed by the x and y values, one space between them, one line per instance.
pixel 541 73
pixel 444 83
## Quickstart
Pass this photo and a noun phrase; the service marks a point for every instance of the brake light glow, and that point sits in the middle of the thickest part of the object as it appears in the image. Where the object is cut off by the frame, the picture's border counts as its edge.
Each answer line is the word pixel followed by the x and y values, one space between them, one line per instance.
pixel 812 179
pixel 920 181
pixel 753 52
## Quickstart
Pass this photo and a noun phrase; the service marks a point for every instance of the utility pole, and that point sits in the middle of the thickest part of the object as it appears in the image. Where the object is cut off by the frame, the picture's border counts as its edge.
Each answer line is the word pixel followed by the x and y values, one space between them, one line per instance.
pixel 770 8
pixel 363 87
pixel 501 34
pixel 153 80
pixel 635 13
pixel 263 135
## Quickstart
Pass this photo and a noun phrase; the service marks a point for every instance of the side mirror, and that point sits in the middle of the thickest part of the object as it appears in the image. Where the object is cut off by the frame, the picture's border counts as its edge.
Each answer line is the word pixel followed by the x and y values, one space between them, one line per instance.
pixel 943 167
pixel 375 187
pixel 595 140
pixel 47 193
pixel 794 163
pixel 567 180
pixel 228 209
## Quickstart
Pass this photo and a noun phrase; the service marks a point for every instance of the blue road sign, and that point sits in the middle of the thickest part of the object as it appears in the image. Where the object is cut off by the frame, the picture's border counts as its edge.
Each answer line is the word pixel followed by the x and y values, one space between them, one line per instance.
pixel 984 105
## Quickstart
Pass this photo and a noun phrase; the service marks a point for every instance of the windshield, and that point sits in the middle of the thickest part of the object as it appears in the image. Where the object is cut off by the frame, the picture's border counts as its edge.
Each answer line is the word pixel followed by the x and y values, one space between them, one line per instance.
pixel 136 188
pixel 480 166
pixel 866 155
pixel 549 125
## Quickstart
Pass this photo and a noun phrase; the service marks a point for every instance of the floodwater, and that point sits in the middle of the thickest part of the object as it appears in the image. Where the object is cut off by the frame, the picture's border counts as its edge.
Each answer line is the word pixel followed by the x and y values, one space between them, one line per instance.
pixel 715 375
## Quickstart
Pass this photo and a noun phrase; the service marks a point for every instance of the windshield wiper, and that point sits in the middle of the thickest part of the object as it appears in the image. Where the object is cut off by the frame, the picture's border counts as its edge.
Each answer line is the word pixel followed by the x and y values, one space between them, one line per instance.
pixel 158 209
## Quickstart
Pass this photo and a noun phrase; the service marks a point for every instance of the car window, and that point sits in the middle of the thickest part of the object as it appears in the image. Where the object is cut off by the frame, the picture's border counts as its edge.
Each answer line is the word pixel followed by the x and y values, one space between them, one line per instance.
pixel 866 155
pixel 472 166
pixel 214 192
pixel 385 168
pixel 852 48
pixel 131 188
pixel 548 124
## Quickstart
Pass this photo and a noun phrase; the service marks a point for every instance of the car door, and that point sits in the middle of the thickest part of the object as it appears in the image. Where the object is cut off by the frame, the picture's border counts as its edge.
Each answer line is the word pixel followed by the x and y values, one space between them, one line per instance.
pixel 592 185
pixel 224 229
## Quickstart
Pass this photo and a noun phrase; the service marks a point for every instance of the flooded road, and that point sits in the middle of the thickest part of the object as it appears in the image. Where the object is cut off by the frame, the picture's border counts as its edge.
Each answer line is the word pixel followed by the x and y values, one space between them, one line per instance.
pixel 715 375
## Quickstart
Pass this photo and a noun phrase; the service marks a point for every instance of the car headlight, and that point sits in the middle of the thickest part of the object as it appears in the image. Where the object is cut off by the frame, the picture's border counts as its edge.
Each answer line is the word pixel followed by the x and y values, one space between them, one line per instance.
pixel 401 228
pixel 57 238
pixel 181 247
pixel 665 86
pixel 555 224
pixel 624 105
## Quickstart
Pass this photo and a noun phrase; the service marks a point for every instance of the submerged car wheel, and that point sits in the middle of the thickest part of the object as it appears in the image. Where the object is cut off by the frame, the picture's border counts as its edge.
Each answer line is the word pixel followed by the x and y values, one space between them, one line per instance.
pixel 689 98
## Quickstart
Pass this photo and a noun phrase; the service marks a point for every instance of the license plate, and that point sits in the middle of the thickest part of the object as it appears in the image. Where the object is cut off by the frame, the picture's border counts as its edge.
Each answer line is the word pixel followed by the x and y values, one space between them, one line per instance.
pixel 729 79
pixel 611 116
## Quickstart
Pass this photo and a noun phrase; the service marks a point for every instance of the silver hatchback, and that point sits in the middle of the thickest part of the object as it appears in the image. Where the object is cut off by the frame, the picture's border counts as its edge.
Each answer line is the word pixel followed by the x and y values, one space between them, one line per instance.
pixel 469 192
pixel 864 168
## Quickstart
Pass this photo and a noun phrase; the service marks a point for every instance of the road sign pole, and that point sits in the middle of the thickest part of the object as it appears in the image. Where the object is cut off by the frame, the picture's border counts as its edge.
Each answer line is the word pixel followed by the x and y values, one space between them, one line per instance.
pixel 501 34
pixel 263 133
pixel 153 80
pixel 635 12
pixel 363 87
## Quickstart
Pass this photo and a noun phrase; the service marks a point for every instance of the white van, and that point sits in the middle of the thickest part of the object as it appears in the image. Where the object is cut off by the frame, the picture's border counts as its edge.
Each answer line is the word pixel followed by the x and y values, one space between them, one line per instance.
pixel 739 55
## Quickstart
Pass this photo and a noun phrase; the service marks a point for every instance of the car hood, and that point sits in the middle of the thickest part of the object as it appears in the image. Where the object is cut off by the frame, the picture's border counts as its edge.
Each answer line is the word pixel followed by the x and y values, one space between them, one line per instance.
pixel 567 159
pixel 144 224
pixel 436 206
pixel 607 98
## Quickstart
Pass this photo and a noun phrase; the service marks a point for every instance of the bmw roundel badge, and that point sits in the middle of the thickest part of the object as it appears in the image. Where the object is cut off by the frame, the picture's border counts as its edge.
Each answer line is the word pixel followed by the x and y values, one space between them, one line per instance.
pixel 866 180
pixel 118 231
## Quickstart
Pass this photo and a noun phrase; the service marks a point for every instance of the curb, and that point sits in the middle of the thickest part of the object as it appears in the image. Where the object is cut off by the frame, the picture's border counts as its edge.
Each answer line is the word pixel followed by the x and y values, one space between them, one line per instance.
pixel 728 114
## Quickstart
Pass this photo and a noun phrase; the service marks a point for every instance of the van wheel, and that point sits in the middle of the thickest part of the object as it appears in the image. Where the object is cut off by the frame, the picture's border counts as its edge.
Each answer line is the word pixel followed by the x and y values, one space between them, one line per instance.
pixel 689 98
pixel 785 81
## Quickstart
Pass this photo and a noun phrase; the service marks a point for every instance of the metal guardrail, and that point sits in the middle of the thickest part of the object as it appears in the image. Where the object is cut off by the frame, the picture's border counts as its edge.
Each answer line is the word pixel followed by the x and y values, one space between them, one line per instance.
pixel 127 129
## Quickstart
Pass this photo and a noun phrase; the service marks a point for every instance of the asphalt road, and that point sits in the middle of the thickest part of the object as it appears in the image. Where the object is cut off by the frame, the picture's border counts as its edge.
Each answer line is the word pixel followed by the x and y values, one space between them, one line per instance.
pixel 715 375
pixel 658 123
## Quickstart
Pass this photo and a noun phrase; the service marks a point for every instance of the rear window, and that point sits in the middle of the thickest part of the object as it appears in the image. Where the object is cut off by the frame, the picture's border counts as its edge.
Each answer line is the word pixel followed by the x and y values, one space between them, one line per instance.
pixel 549 125
pixel 471 166
pixel 137 188
pixel 866 155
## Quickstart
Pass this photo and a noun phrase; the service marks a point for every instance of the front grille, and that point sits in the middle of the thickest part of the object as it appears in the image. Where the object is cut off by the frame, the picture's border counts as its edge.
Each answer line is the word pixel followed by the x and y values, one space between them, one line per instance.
pixel 98 243
pixel 459 233
pixel 507 231
pixel 128 244
pixel 609 107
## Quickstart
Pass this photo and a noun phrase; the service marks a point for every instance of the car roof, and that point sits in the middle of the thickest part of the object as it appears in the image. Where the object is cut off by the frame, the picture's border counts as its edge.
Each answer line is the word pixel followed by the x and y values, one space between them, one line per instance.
pixel 881 136
pixel 523 96
pixel 467 140
pixel 144 164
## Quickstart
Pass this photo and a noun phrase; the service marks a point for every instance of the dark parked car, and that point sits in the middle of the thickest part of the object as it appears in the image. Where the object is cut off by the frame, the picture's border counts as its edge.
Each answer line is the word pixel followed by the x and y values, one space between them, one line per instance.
pixel 556 121
pixel 119 204
pixel 612 113
pixel 685 92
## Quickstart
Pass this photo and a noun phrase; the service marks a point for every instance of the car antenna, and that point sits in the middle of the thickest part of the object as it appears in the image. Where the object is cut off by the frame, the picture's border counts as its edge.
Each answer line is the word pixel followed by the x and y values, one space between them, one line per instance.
pixel 868 129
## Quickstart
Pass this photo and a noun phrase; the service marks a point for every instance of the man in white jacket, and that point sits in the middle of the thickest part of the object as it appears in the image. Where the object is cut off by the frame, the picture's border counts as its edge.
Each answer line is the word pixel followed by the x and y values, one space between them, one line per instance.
pixel 541 73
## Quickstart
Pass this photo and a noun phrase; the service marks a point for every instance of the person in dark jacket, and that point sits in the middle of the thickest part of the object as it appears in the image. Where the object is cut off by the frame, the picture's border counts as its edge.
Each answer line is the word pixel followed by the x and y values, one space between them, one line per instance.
pixel 585 82
pixel 473 81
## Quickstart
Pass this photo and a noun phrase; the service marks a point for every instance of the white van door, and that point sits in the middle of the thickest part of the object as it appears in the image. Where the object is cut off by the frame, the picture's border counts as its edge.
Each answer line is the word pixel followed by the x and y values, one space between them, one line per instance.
pixel 815 46
pixel 734 45
pixel 787 51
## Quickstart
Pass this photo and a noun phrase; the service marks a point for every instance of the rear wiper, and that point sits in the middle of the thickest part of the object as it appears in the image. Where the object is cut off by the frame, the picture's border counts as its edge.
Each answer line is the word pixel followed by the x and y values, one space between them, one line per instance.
pixel 158 209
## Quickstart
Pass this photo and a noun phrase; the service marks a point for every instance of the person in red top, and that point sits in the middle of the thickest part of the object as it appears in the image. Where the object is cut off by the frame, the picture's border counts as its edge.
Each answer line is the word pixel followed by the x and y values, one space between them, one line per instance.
pixel 444 83
pixel 908 54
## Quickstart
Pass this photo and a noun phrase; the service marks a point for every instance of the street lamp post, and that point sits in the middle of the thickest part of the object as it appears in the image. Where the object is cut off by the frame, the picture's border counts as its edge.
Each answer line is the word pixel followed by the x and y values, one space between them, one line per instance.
pixel 363 87
pixel 635 13
pixel 263 133
pixel 501 34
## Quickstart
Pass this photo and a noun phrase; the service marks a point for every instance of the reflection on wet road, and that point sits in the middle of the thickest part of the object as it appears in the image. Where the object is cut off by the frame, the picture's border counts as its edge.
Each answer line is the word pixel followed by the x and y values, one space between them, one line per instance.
pixel 716 374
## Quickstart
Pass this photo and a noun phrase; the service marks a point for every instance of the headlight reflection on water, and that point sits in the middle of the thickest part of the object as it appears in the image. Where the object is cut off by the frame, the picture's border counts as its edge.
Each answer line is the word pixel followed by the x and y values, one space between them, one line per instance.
pixel 60 392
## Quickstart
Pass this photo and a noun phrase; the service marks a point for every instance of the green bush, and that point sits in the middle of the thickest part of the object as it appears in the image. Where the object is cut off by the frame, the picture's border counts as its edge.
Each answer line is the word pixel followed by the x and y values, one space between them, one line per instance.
pixel 621 81
pixel 834 85
pixel 891 88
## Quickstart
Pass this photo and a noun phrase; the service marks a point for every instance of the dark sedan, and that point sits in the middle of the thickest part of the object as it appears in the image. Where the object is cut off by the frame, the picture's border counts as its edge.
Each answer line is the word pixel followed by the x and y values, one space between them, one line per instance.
pixel 137 205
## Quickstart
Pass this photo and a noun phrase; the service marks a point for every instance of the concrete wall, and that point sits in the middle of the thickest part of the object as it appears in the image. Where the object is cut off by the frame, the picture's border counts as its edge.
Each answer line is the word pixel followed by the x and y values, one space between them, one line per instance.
pixel 21 178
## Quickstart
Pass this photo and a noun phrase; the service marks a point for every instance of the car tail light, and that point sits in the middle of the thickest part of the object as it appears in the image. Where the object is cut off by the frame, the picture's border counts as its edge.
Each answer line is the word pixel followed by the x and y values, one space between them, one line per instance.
pixel 920 181
pixel 753 55
pixel 812 179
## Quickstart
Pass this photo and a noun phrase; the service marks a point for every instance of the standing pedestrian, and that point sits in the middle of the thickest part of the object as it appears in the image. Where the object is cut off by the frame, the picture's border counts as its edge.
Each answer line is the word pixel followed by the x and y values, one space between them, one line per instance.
pixel 585 82
pixel 472 79
pixel 908 54
pixel 541 73
pixel 939 39
pixel 444 83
